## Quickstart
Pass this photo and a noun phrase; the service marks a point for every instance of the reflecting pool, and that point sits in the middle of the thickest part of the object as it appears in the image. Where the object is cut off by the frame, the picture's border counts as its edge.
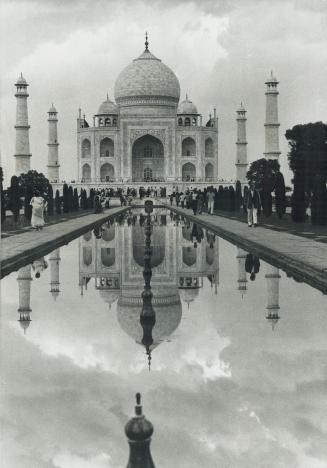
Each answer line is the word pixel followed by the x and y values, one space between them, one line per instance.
pixel 228 352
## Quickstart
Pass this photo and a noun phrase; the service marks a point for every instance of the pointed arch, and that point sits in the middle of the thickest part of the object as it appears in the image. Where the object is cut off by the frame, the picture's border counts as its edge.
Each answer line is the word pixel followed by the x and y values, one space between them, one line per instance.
pixel 188 147
pixel 86 172
pixel 107 148
pixel 86 148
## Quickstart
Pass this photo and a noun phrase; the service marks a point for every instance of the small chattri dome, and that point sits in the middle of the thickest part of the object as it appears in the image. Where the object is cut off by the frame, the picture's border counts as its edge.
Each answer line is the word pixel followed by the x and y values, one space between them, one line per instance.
pixel 24 323
pixel 107 108
pixel 52 109
pixel 187 107
pixel 271 78
pixel 21 81
pixel 241 108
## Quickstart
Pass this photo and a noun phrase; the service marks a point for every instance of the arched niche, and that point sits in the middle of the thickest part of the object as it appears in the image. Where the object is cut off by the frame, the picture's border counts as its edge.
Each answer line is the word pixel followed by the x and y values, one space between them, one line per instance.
pixel 107 172
pixel 208 148
pixel 158 243
pixel 189 255
pixel 86 172
pixel 108 256
pixel 209 171
pixel 87 256
pixel 86 148
pixel 107 148
pixel 188 147
pixel 188 172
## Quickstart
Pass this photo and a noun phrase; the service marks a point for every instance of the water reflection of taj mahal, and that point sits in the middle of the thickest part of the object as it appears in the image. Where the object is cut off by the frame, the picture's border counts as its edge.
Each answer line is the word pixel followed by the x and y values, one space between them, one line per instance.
pixel 115 259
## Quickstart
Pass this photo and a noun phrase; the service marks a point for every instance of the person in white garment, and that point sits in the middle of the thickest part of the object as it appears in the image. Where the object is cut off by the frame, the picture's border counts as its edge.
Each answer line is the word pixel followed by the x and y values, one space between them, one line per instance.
pixel 253 203
pixel 38 206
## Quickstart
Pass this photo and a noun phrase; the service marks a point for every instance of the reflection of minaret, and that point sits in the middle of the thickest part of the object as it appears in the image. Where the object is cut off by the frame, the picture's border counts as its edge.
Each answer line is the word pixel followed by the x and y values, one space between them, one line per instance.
pixel 53 163
pixel 272 277
pixel 147 316
pixel 241 257
pixel 54 260
pixel 272 125
pixel 24 279
pixel 241 145
pixel 139 431
pixel 22 155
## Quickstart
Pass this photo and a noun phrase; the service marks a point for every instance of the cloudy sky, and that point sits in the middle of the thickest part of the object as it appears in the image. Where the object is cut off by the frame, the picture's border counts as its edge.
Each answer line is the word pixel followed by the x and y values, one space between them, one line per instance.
pixel 223 391
pixel 221 50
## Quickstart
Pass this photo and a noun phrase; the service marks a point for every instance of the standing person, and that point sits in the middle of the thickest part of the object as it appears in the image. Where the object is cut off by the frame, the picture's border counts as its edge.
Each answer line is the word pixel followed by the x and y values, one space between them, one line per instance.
pixel 253 203
pixel 182 200
pixel 252 265
pixel 200 203
pixel 38 205
pixel 194 197
pixel 211 201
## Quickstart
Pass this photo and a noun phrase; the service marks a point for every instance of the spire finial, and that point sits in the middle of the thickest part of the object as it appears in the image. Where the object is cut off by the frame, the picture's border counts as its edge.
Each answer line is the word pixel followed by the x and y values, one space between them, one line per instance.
pixel 21 74
pixel 107 97
pixel 186 97
pixel 138 407
pixel 146 41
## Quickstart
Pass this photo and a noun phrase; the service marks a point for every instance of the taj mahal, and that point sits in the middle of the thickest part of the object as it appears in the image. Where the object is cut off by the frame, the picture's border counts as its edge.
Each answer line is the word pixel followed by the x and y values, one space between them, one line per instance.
pixel 147 134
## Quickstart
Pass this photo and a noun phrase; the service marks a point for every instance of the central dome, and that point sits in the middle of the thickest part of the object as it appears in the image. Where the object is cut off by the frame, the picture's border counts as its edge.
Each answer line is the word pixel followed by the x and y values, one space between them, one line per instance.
pixel 147 81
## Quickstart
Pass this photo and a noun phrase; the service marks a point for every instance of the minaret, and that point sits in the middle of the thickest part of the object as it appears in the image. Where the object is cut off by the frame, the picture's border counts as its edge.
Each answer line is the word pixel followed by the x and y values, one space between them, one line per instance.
pixel 241 257
pixel 272 277
pixel 272 125
pixel 54 260
pixel 53 163
pixel 24 279
pixel 22 155
pixel 139 431
pixel 241 145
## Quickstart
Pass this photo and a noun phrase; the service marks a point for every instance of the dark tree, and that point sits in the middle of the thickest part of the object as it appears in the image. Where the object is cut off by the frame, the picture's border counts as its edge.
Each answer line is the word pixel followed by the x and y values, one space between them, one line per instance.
pixel 238 196
pixel 308 152
pixel 14 197
pixel 58 202
pixel 225 199
pixel 66 198
pixel 36 181
pixel 90 201
pixel 266 200
pixel 3 201
pixel 298 199
pixel 245 192
pixel 319 202
pixel 70 199
pixel 50 200
pixel 27 198
pixel 263 172
pixel 76 200
pixel 231 198
pixel 280 195
pixel 219 198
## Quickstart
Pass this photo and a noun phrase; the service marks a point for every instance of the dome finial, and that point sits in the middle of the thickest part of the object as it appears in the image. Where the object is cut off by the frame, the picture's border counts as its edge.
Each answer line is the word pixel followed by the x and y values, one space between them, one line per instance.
pixel 186 97
pixel 107 97
pixel 146 41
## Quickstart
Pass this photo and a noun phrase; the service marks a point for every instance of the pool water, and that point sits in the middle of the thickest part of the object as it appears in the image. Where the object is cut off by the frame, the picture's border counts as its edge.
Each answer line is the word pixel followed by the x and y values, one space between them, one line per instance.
pixel 232 373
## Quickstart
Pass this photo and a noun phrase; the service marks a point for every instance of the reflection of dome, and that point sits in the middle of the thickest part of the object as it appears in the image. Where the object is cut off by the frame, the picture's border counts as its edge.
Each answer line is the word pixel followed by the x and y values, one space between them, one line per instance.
pixel 188 295
pixel 147 78
pixel 168 310
pixel 107 108
pixel 109 296
pixel 187 107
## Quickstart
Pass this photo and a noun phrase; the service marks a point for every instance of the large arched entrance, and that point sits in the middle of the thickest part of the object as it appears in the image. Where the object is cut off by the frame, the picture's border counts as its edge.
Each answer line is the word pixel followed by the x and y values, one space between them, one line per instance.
pixel 148 159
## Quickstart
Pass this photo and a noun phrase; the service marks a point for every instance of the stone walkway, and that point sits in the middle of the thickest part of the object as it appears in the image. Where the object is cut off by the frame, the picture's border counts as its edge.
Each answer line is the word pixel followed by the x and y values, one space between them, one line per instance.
pixel 301 257
pixel 18 249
